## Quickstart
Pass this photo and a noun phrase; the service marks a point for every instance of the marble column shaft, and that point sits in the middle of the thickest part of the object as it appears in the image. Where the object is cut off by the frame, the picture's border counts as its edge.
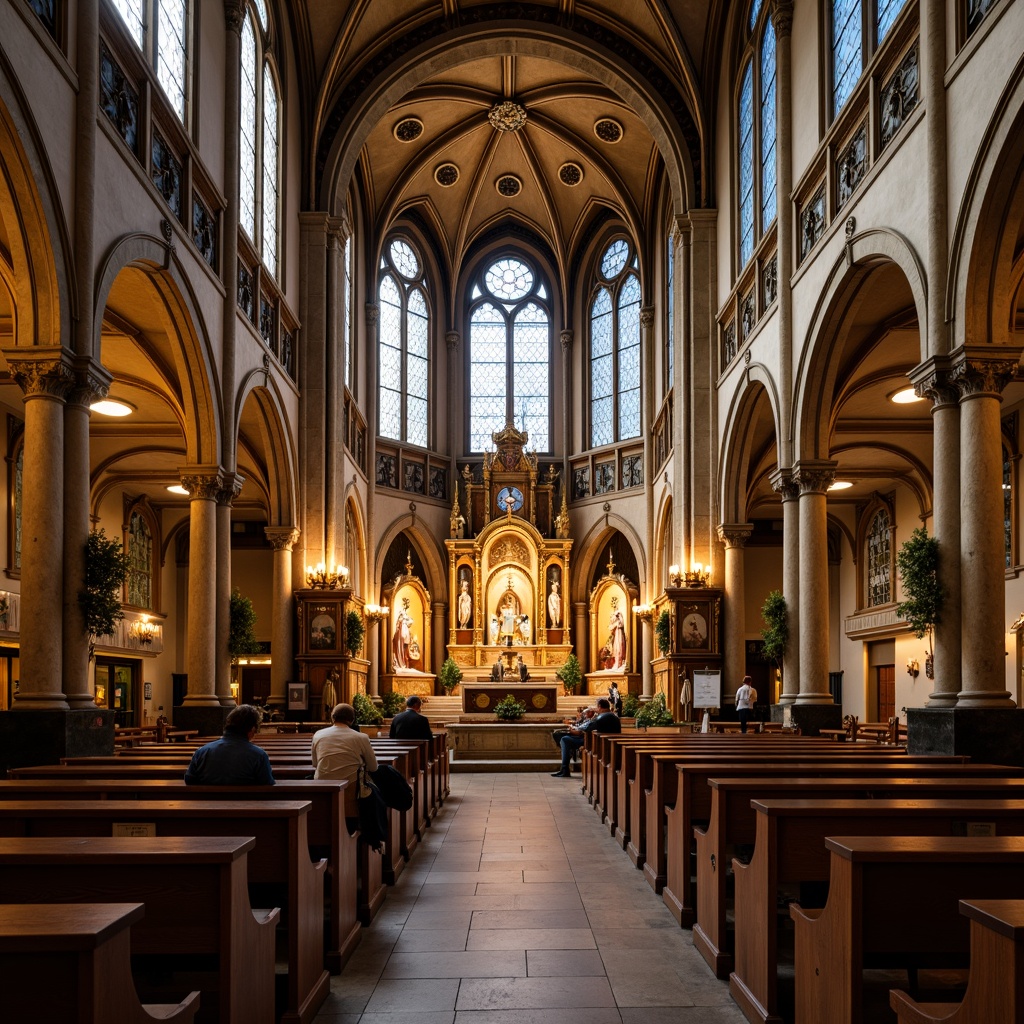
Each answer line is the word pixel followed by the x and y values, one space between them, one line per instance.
pixel 789 492
pixel 437 610
pixel 282 613
pixel 734 536
pixel 647 348
pixel 230 489
pixel 372 326
pixel 814 478
pixel 203 488
pixel 580 613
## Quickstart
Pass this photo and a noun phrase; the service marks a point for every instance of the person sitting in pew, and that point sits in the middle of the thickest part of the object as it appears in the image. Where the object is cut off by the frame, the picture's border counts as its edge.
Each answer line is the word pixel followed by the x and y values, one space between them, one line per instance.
pixel 339 751
pixel 410 724
pixel 605 721
pixel 233 760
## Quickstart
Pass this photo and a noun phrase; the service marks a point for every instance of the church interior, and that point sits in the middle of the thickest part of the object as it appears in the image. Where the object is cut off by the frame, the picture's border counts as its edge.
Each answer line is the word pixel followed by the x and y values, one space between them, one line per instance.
pixel 502 336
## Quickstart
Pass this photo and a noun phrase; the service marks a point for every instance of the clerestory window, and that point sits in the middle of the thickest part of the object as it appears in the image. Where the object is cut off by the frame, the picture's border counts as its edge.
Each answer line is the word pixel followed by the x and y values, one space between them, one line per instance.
pixel 856 30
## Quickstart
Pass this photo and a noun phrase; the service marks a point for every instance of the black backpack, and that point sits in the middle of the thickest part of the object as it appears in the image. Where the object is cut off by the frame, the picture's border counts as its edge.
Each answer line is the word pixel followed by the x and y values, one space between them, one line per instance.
pixel 396 792
pixel 373 815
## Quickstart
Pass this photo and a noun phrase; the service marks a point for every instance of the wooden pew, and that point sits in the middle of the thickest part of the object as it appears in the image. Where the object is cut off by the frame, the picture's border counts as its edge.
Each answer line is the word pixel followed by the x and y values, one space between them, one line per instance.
pixel 280 861
pixel 693 803
pixel 995 991
pixel 789 848
pixel 854 930
pixel 70 963
pixel 197 905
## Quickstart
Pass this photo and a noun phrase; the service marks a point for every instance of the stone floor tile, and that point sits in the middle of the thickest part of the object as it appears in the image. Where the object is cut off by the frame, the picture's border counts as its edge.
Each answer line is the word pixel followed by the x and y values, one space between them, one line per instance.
pixel 532 993
pixel 414 1017
pixel 531 938
pixel 564 963
pixel 481 964
pixel 529 919
pixel 441 939
pixel 426 994
pixel 571 1015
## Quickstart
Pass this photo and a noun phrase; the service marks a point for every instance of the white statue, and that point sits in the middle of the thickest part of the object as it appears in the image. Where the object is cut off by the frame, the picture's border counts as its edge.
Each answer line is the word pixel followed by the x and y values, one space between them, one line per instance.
pixel 554 607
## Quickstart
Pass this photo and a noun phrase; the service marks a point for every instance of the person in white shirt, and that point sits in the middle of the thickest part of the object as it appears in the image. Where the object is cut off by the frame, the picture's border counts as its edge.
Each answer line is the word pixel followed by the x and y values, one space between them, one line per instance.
pixel 339 751
pixel 746 697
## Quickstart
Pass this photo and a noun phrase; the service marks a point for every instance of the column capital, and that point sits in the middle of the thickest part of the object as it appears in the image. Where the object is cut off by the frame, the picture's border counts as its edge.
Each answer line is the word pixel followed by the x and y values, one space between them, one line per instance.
pixel 372 314
pixel 646 317
pixel 452 339
pixel 814 476
pixel 338 229
pixel 782 17
pixel 979 371
pixel 42 373
pixel 202 482
pixel 566 337
pixel 784 485
pixel 92 382
pixel 230 488
pixel 683 229
pixel 734 535
pixel 933 380
pixel 281 538
pixel 234 15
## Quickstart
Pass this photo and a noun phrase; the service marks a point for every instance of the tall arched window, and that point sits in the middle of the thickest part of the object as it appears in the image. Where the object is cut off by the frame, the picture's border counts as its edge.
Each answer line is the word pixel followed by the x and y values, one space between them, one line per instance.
pixel 1008 516
pixel 161 30
pixel 259 137
pixel 140 561
pixel 879 560
pixel 509 354
pixel 856 30
pixel 757 132
pixel 670 311
pixel 403 348
pixel 615 347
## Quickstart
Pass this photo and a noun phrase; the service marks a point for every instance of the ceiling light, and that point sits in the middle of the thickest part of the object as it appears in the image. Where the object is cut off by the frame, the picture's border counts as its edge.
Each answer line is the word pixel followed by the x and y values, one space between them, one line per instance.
pixel 177 489
pixel 112 407
pixel 905 396
pixel 840 485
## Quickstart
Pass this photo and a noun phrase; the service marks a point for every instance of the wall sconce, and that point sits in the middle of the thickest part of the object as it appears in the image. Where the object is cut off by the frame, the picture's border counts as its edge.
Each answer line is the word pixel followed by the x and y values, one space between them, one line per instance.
pixel 376 612
pixel 323 578
pixel 698 575
pixel 675 576
pixel 913 668
pixel 644 611
pixel 142 631
pixel 234 692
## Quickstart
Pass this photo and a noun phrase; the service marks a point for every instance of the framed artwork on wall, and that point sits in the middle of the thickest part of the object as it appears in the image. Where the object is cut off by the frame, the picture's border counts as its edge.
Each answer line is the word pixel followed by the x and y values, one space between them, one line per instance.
pixel 298 696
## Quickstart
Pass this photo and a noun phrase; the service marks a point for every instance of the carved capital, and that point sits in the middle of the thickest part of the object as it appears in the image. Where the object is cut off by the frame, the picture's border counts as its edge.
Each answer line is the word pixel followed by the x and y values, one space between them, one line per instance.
pixel 565 337
pixel 932 379
pixel 281 538
pixel 983 372
pixel 46 378
pixel 784 486
pixel 92 382
pixel 230 488
pixel 372 315
pixel 451 339
pixel 646 317
pixel 234 15
pixel 735 535
pixel 782 17
pixel 202 482
pixel 814 476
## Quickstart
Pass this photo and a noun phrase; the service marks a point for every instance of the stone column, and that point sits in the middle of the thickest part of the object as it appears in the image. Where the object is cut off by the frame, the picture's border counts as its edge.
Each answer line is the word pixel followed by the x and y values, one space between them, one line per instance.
pixel 282 612
pixel 373 653
pixel 734 536
pixel 813 477
pixel 91 383
pixel 789 491
pixel 372 328
pixel 334 384
pixel 45 381
pixel 681 491
pixel 231 486
pixel 582 633
pixel 566 339
pixel 981 377
pixel 437 610
pixel 204 484
pixel 932 380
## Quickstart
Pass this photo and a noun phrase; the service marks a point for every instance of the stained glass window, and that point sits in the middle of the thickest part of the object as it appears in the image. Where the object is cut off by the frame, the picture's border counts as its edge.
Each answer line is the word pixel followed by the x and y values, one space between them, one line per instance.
pixel 247 132
pixel 746 160
pixel 131 12
pixel 670 307
pixel 847 50
pixel 346 324
pixel 879 559
pixel 403 346
pixel 886 13
pixel 767 126
pixel 755 10
pixel 270 171
pixel 172 50
pixel 509 355
pixel 140 562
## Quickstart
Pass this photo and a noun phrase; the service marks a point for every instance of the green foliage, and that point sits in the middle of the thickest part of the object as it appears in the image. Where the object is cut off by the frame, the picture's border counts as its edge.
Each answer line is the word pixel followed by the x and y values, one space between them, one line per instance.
pixel 663 631
pixel 653 712
pixel 508 709
pixel 354 631
pixel 241 626
pixel 918 563
pixel 571 674
pixel 450 675
pixel 393 703
pixel 366 711
pixel 630 705
pixel 106 569
pixel 776 627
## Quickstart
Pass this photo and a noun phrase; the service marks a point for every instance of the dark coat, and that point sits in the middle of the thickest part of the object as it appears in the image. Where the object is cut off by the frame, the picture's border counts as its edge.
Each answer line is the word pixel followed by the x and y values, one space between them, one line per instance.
pixel 410 725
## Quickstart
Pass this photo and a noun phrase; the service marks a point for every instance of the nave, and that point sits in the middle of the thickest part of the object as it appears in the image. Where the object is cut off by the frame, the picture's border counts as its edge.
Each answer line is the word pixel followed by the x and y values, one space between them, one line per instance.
pixel 518 909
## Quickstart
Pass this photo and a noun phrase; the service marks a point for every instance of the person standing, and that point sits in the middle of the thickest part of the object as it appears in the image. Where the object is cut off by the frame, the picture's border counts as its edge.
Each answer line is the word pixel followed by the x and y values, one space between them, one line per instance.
pixel 746 698
pixel 410 724
pixel 233 760
pixel 339 751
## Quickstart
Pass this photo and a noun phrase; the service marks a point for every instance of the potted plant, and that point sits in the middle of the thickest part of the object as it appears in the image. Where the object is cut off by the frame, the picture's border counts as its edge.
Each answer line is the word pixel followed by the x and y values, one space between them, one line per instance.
pixel 106 569
pixel 392 703
pixel 241 627
pixel 450 676
pixel 655 712
pixel 354 631
pixel 366 712
pixel 918 564
pixel 631 704
pixel 776 628
pixel 571 674
pixel 508 709
pixel 663 631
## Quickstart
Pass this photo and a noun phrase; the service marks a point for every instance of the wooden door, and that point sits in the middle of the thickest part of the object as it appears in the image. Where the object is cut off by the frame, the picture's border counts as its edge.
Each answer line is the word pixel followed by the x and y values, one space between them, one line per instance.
pixel 886 692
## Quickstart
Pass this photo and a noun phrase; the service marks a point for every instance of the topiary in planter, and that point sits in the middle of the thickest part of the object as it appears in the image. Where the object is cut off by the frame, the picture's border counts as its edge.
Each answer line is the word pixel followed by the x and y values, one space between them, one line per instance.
pixel 918 563
pixel 630 705
pixel 449 676
pixel 653 713
pixel 106 569
pixel 508 709
pixel 366 712
pixel 571 674
pixel 393 703
pixel 776 628
pixel 663 631
pixel 354 631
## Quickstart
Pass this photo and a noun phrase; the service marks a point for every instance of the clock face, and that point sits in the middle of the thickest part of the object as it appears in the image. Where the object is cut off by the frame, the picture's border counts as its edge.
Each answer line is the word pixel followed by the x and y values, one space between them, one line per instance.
pixel 510 494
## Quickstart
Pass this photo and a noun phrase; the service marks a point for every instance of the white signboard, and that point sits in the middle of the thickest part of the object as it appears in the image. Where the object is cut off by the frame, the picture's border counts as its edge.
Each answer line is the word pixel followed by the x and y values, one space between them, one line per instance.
pixel 707 688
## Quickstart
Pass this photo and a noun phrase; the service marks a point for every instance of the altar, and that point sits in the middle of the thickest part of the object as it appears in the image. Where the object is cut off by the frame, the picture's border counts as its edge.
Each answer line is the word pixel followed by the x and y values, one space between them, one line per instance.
pixel 539 698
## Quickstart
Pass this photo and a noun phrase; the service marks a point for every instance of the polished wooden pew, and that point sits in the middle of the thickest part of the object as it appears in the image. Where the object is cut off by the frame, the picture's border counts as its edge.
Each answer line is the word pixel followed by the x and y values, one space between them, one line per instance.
pixel 197 907
pixel 789 848
pixel 70 963
pixel 995 990
pixel 693 803
pixel 856 929
pixel 280 862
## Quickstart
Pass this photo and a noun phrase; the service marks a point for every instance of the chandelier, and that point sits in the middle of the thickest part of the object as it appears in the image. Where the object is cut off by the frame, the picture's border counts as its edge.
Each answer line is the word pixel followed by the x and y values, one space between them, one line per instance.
pixel 507 116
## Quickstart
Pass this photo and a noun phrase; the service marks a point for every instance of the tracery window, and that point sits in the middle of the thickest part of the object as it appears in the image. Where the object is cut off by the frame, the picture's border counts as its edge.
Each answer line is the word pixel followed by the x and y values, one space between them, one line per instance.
pixel 161 29
pixel 670 310
pixel 347 320
pixel 259 139
pixel 615 347
pixel 879 560
pixel 757 132
pixel 140 561
pixel 403 348
pixel 509 353
pixel 856 30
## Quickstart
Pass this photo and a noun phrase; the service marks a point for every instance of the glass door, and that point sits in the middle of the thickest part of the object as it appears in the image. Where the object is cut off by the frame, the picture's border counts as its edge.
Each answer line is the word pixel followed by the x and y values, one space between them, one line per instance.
pixel 117 688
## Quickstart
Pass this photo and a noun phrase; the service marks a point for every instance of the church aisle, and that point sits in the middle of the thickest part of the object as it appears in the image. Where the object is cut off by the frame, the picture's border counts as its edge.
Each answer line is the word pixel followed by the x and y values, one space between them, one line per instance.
pixel 519 909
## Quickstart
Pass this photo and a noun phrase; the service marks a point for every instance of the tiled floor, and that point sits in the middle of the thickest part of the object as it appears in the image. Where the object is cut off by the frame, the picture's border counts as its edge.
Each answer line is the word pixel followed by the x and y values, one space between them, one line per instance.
pixel 519 909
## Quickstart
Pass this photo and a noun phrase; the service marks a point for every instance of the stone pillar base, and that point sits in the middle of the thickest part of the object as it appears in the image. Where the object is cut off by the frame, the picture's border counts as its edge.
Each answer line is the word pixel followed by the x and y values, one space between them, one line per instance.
pixel 29 738
pixel 810 717
pixel 990 735
pixel 207 718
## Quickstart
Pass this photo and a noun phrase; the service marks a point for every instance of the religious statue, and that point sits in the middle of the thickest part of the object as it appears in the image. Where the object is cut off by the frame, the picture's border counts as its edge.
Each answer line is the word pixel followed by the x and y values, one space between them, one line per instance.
pixel 465 605
pixel 508 618
pixel 402 638
pixel 617 637
pixel 495 625
pixel 524 629
pixel 554 607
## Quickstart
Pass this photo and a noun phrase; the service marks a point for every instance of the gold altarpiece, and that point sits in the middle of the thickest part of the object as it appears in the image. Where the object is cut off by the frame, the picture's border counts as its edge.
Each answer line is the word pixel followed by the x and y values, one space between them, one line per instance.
pixel 508 564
